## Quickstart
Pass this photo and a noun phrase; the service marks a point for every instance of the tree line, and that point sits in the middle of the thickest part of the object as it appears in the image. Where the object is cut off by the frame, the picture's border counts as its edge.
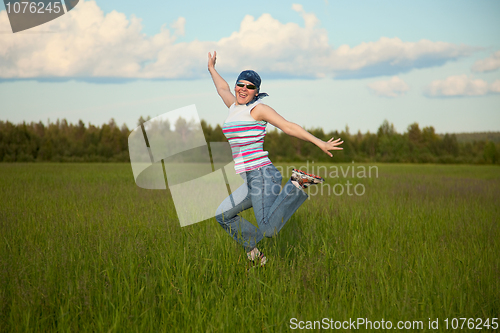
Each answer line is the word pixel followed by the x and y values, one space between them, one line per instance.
pixel 65 142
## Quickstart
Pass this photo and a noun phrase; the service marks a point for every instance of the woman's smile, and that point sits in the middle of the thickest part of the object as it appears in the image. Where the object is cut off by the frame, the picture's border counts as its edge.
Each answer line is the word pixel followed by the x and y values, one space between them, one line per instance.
pixel 243 94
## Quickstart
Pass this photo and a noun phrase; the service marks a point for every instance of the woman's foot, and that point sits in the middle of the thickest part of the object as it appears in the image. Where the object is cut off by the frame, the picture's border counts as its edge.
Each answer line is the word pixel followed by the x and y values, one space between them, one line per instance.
pixel 255 256
pixel 304 179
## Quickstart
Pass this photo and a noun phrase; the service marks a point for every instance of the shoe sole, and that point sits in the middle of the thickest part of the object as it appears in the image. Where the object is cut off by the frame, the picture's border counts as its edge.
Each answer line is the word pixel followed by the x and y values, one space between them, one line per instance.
pixel 309 176
pixel 257 263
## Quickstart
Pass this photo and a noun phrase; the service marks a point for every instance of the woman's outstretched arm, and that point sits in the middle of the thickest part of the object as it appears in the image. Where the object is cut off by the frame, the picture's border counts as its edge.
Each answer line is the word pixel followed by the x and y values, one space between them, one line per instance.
pixel 220 84
pixel 266 113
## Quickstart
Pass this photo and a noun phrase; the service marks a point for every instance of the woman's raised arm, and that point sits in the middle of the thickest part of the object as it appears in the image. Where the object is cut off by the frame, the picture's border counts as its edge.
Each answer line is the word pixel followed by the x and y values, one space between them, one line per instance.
pixel 267 113
pixel 220 84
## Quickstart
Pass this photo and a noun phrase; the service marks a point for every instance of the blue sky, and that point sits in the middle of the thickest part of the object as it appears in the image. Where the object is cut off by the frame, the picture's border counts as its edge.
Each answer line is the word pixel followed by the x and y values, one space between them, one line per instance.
pixel 324 63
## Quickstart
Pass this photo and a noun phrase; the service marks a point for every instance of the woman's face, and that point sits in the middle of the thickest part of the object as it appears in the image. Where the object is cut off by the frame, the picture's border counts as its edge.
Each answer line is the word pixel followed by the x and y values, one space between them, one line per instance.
pixel 243 94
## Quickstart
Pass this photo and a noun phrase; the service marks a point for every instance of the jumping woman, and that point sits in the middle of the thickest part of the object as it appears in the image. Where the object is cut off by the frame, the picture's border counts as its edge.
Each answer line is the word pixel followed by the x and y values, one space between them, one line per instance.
pixel 245 129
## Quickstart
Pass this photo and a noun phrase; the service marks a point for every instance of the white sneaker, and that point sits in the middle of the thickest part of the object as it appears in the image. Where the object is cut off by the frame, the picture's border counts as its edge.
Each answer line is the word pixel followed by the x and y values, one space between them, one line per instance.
pixel 255 255
pixel 305 179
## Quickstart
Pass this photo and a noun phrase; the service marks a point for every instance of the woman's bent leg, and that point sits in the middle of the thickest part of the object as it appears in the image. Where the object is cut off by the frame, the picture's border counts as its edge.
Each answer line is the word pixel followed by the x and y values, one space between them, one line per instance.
pixel 240 229
pixel 273 208
pixel 285 205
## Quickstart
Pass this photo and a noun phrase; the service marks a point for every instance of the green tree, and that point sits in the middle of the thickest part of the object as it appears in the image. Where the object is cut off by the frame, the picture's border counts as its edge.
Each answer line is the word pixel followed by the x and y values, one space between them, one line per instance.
pixel 491 154
pixel 450 144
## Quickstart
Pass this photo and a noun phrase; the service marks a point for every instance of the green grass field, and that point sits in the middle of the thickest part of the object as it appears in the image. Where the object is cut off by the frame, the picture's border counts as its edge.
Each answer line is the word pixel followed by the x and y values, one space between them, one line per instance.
pixel 82 248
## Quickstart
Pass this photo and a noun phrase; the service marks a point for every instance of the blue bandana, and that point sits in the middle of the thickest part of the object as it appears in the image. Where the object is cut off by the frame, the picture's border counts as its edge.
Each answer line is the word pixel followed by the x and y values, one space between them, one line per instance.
pixel 253 77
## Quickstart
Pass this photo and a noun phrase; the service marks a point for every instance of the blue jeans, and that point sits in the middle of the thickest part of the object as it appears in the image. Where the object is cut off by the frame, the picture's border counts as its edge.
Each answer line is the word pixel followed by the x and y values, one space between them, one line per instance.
pixel 272 208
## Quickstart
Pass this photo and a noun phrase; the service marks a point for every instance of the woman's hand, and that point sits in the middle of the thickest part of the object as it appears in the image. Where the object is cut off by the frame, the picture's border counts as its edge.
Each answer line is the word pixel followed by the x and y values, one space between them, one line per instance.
pixel 331 145
pixel 211 60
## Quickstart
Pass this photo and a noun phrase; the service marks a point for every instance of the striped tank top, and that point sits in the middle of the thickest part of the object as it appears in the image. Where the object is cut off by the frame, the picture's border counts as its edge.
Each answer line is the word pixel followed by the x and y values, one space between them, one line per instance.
pixel 246 138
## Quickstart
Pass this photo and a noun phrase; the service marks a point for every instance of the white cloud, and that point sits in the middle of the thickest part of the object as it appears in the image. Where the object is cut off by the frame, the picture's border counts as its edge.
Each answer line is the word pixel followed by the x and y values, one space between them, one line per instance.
pixel 495 86
pixel 179 26
pixel 89 44
pixel 310 20
pixel 84 43
pixel 391 88
pixel 461 85
pixel 489 64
